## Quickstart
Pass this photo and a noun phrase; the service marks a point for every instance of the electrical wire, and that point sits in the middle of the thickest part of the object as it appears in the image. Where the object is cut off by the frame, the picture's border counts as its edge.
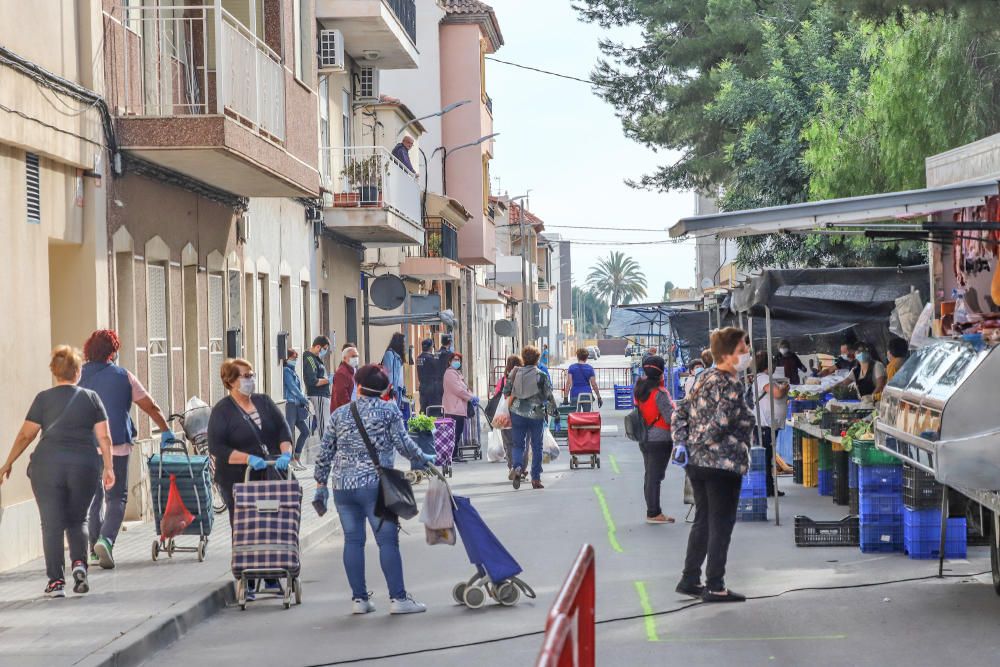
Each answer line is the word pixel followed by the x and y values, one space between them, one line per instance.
pixel 545 71
pixel 4 107
pixel 634 617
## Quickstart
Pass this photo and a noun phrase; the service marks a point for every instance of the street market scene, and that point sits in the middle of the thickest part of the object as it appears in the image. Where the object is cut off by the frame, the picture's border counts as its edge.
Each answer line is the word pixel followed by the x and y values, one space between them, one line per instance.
pixel 488 332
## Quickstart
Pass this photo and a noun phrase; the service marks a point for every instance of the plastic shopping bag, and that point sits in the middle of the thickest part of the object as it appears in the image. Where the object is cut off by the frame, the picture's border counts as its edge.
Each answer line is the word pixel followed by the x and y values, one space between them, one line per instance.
pixel 494 447
pixel 437 515
pixel 550 448
pixel 501 418
pixel 176 516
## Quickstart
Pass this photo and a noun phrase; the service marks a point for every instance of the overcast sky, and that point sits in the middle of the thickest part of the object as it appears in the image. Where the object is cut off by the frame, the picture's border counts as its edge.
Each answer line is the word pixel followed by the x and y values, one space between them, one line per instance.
pixel 566 145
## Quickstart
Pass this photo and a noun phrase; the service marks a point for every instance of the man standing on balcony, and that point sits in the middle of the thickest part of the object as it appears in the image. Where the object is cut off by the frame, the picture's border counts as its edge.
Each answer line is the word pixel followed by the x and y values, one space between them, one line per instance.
pixel 402 153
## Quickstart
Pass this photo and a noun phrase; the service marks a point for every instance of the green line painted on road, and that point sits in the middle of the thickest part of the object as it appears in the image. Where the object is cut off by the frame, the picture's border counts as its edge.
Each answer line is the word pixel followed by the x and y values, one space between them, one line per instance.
pixel 647 611
pixel 748 639
pixel 612 538
pixel 614 464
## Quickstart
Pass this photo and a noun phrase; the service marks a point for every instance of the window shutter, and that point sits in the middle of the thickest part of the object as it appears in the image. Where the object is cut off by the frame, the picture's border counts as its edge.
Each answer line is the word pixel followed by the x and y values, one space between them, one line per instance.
pixel 33 187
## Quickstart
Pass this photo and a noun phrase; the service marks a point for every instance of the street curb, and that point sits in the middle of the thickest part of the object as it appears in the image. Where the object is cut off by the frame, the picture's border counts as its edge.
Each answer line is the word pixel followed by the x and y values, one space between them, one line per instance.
pixel 135 646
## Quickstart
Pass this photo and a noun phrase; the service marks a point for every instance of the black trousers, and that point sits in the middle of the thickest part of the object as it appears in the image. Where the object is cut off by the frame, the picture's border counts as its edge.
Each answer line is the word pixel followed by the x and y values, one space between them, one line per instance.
pixel 716 497
pixel 63 491
pixel 768 456
pixel 459 433
pixel 655 458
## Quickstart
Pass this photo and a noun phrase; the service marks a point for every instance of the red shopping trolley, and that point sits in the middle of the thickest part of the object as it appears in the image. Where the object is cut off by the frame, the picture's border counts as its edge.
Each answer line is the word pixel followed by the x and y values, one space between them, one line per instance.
pixel 584 439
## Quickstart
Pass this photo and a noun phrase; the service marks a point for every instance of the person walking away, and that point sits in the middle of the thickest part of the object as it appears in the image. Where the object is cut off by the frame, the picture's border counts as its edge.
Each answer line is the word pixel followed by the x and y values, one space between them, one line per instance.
pixel 345 462
pixel 392 362
pixel 317 380
pixel 545 355
pixel 790 362
pixel 898 350
pixel 582 379
pixel 343 379
pixel 657 407
pixel 529 395
pixel 66 467
pixel 246 429
pixel 118 389
pixel 427 376
pixel 506 433
pixel 456 398
pixel 296 406
pixel 712 432
pixel 764 392
pixel 869 374
pixel 401 152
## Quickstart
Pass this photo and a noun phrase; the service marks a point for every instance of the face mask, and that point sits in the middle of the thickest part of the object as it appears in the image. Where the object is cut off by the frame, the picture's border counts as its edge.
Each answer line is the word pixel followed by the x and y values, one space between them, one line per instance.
pixel 292 362
pixel 863 357
pixel 456 365
pixel 783 350
pixel 845 357
pixel 354 362
pixel 248 386
pixel 325 351
pixel 743 362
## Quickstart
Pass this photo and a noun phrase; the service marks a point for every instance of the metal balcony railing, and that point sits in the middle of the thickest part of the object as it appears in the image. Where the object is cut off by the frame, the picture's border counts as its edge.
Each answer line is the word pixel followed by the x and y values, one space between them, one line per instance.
pixel 370 177
pixel 183 60
pixel 440 240
pixel 406 12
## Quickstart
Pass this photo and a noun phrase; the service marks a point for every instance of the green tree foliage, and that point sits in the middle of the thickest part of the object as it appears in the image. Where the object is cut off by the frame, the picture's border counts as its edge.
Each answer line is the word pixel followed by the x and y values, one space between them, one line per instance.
pixel 590 313
pixel 618 279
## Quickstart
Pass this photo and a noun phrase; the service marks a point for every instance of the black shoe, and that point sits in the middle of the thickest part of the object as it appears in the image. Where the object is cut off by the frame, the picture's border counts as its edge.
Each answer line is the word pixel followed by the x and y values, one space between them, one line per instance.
pixel 515 477
pixel 691 590
pixel 722 596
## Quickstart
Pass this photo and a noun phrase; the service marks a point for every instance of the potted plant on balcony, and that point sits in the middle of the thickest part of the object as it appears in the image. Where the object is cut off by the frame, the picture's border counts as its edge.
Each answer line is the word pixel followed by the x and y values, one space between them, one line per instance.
pixel 363 175
pixel 433 245
pixel 421 429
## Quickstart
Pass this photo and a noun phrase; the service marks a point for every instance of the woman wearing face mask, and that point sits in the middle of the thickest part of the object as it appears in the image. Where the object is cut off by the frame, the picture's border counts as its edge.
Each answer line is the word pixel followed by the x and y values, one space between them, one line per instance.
pixel 457 397
pixel 296 405
pixel 392 361
pixel 790 362
pixel 869 375
pixel 712 430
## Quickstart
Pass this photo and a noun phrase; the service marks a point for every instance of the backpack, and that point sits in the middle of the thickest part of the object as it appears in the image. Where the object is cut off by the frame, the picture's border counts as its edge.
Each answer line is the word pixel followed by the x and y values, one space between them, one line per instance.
pixel 635 426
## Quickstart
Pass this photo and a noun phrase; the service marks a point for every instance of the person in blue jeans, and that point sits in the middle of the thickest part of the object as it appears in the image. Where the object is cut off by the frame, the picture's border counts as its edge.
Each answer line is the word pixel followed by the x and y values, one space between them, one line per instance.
pixel 581 379
pixel 296 406
pixel 344 459
pixel 392 361
pixel 529 394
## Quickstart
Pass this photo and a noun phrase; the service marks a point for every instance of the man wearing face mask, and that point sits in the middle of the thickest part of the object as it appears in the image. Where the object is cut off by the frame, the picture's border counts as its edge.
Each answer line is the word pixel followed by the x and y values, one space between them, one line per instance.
pixel 317 380
pixel 790 362
pixel 343 379
pixel 428 376
pixel 845 362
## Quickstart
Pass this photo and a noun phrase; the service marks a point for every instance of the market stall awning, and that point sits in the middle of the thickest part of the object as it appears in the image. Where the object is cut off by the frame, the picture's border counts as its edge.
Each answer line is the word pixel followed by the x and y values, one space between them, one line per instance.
pixel 832 213
pixel 644 319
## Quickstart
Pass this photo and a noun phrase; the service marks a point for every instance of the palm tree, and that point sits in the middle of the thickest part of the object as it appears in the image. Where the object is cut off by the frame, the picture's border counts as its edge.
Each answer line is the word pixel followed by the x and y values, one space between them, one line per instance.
pixel 618 279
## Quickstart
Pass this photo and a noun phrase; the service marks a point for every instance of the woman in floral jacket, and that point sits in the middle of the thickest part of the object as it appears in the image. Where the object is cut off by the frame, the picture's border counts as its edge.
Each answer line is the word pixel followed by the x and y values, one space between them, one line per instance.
pixel 713 430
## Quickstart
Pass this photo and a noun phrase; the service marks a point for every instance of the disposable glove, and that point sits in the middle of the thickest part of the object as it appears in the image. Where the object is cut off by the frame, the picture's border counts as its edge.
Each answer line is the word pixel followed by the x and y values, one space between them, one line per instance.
pixel 167 438
pixel 680 457
pixel 600 402
pixel 475 401
pixel 256 462
pixel 283 461
pixel 426 459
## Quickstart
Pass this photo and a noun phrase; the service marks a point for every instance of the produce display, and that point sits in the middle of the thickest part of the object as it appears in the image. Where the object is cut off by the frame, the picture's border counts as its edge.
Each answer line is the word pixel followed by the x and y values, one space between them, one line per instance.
pixel 803 395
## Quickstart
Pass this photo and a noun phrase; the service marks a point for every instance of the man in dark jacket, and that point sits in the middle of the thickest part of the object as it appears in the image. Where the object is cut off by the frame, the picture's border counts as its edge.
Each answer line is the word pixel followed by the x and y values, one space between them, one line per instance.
pixel 343 379
pixel 429 376
pixel 317 380
pixel 402 153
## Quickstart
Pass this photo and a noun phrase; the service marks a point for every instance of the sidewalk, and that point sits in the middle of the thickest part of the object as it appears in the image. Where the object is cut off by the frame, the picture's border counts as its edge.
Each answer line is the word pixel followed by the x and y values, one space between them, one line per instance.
pixel 136 608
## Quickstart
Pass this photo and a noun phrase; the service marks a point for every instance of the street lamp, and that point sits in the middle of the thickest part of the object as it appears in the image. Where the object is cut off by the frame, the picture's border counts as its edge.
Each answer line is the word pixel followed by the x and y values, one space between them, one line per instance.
pixel 444 157
pixel 450 107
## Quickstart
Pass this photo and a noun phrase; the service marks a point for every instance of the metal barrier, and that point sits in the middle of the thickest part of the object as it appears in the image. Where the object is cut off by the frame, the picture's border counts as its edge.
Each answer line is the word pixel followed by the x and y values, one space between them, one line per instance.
pixel 607 377
pixel 569 628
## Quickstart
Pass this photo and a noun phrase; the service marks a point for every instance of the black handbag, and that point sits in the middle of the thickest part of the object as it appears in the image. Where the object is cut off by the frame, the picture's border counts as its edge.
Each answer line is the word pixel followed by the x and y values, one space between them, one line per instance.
pixel 395 497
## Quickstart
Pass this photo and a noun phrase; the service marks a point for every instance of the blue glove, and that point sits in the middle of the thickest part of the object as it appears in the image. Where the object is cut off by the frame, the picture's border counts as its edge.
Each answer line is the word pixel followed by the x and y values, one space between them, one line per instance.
pixel 680 457
pixel 167 437
pixel 256 462
pixel 426 459
pixel 475 401
pixel 283 461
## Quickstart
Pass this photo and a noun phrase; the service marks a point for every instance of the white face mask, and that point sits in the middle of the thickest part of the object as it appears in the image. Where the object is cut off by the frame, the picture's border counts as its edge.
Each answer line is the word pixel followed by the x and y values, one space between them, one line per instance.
pixel 354 362
pixel 248 386
pixel 743 362
pixel 783 350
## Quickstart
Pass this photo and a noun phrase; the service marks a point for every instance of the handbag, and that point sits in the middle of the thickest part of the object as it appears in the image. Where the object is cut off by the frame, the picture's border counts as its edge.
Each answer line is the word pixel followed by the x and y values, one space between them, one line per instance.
pixel 395 497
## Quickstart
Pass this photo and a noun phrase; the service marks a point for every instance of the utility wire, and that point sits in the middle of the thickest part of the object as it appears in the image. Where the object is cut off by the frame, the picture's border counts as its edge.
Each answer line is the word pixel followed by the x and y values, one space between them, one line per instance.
pixel 545 71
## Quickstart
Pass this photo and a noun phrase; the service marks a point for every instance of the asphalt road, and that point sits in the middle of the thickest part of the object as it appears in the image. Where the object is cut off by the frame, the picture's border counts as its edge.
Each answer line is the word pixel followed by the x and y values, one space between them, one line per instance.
pixel 929 622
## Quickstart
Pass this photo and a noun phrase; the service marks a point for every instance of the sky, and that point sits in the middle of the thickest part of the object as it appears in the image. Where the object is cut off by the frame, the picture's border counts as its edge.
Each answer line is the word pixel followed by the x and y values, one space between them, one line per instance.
pixel 565 144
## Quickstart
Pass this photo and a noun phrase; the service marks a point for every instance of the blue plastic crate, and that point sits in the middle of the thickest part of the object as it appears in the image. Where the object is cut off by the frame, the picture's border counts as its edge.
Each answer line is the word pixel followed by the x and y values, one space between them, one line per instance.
pixel 881 538
pixel 758 458
pixel 748 505
pixel 754 485
pixel 880 479
pixel 800 405
pixel 922 535
pixel 825 479
pixel 881 508
pixel 852 475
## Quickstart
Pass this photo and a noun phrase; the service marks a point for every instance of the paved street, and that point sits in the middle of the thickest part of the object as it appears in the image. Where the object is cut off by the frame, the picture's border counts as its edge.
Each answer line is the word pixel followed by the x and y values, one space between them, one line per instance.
pixel 927 622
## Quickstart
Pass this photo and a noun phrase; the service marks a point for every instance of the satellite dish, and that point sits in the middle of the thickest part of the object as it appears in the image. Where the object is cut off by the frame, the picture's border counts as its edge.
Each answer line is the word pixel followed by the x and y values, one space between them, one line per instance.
pixel 387 292
pixel 504 328
pixel 707 283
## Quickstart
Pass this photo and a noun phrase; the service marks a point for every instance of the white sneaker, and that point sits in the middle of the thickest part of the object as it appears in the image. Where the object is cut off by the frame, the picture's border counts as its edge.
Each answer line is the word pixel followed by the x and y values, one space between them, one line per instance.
pixel 406 605
pixel 363 606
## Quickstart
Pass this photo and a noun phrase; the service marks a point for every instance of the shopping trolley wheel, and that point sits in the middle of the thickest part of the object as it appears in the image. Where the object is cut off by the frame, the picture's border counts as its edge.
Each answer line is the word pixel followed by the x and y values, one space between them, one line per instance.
pixel 241 593
pixel 170 548
pixel 156 550
pixel 508 594
pixel 597 462
pixel 573 462
pixel 297 589
pixel 412 476
pixel 458 592
pixel 474 597
pixel 202 548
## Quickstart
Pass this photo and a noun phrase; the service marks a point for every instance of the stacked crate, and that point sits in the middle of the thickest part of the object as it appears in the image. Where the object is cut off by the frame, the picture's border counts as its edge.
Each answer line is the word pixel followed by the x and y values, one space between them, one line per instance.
pixel 852 487
pixel 880 500
pixel 824 468
pixel 810 461
pixel 841 477
pixel 797 456
pixel 753 493
pixel 922 519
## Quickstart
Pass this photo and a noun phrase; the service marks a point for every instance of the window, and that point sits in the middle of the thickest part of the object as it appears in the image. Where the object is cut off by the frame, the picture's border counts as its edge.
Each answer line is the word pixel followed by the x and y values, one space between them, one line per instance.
pixel 324 130
pixel 159 350
pixel 216 335
pixel 324 314
pixel 350 320
pixel 33 188
pixel 306 319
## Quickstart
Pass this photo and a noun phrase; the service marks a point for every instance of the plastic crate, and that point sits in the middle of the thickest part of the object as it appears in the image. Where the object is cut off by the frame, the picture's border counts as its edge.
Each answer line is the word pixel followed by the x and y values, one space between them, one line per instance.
pixel 810 449
pixel 880 508
pixel 824 455
pixel 880 479
pixel 881 538
pixel 809 474
pixel 864 452
pixel 922 535
pixel 752 509
pixel 825 482
pixel 841 489
pixel 754 485
pixel 799 405
pixel 852 472
pixel 853 502
pixel 843 533
pixel 920 490
pixel 758 458
pixel 796 456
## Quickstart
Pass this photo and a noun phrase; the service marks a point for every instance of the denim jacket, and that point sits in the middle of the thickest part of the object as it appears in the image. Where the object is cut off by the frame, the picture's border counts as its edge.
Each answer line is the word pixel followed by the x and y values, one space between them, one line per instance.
pixel 293 387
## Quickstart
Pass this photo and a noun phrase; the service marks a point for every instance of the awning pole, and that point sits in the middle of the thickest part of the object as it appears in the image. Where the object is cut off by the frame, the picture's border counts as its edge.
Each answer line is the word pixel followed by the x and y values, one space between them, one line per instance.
pixel 773 472
pixel 752 383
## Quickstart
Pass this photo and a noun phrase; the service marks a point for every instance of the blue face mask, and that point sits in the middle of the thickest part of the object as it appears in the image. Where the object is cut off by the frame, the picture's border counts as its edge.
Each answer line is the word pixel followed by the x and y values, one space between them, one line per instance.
pixel 292 362
pixel 456 365
pixel 325 351
pixel 864 357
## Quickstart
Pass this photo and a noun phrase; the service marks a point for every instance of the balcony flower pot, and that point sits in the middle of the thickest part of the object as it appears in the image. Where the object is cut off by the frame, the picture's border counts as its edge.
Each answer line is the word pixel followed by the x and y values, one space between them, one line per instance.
pixel 365 175
pixel 344 199
pixel 369 195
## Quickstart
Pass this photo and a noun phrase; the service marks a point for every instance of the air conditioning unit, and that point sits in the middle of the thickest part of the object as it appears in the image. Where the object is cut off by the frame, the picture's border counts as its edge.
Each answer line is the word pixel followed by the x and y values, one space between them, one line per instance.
pixel 368 84
pixel 331 51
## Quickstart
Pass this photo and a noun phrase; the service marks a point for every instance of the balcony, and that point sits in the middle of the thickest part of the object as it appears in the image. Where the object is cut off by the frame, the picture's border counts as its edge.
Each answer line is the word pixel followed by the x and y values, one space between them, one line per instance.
pixel 197 92
pixel 543 295
pixel 437 258
pixel 370 196
pixel 380 33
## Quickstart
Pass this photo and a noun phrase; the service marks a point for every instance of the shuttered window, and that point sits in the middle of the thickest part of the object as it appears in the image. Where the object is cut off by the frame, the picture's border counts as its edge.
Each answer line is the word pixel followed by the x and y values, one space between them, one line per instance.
pixel 216 334
pixel 33 187
pixel 159 365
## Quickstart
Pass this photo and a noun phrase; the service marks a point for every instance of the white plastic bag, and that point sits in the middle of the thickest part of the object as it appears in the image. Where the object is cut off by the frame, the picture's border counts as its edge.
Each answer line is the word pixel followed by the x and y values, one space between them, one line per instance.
pixel 550 448
pixel 501 418
pixel 436 515
pixel 494 446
